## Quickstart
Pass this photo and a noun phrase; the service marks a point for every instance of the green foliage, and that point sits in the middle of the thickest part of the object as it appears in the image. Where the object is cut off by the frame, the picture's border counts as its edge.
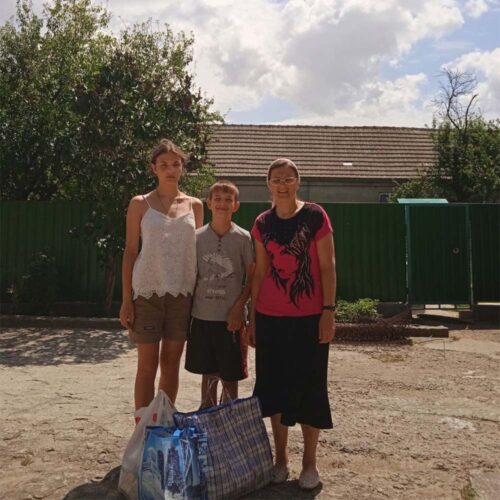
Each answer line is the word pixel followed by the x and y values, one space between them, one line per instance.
pixel 361 311
pixel 421 187
pixel 467 167
pixel 467 146
pixel 143 92
pixel 199 183
pixel 36 291
pixel 468 161
pixel 81 108
pixel 41 61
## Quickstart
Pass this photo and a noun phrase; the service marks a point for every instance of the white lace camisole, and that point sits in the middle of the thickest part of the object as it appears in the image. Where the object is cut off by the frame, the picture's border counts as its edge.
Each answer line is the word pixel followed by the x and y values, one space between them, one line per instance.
pixel 167 260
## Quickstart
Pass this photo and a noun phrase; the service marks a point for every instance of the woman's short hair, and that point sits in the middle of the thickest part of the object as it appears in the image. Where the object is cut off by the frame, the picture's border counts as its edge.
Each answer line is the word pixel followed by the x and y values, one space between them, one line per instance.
pixel 167 146
pixel 283 162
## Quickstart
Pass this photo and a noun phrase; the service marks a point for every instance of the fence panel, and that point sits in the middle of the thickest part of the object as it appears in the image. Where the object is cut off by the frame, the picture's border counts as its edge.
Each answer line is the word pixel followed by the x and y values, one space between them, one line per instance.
pixel 439 255
pixel 369 240
pixel 30 227
pixel 370 247
pixel 485 232
pixel 370 250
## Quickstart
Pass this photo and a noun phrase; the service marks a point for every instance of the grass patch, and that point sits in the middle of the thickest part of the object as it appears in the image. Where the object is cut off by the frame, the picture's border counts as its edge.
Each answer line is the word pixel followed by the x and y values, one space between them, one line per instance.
pixel 392 358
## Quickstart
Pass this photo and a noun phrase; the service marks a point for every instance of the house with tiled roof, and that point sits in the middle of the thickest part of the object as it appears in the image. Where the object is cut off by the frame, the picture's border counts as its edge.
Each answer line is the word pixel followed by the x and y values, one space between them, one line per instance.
pixel 337 164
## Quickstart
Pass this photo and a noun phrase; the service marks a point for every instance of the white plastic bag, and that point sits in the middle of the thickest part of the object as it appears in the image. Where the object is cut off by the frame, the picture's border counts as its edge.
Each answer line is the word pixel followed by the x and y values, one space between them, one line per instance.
pixel 159 412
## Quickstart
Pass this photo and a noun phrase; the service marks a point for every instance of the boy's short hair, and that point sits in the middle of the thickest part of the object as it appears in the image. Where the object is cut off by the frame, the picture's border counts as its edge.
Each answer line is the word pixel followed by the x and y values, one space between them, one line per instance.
pixel 226 187
pixel 167 146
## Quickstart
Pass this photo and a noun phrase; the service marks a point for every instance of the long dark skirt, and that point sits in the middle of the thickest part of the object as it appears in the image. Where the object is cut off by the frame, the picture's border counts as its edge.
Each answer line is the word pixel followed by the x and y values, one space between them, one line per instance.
pixel 291 370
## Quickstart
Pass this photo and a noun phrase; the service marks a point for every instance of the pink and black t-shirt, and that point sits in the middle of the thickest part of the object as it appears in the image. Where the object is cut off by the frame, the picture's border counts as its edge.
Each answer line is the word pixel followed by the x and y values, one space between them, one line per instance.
pixel 292 286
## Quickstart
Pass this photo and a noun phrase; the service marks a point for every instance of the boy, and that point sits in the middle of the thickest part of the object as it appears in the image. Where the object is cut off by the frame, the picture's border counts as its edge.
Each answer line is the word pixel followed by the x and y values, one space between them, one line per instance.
pixel 215 347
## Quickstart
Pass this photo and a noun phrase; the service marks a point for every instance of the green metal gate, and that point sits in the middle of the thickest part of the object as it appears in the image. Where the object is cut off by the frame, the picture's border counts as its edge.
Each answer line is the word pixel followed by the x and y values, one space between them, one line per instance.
pixel 439 254
pixel 485 237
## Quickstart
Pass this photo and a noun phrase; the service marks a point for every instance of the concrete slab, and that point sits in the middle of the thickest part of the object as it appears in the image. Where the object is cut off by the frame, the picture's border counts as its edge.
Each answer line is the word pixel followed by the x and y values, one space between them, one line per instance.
pixel 345 331
pixel 444 316
pixel 439 331
pixel 24 321
pixel 485 485
pixel 487 312
pixel 482 347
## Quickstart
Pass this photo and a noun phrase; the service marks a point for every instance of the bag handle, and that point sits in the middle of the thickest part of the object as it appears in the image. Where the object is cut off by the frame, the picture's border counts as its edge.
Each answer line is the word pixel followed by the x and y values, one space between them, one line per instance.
pixel 208 397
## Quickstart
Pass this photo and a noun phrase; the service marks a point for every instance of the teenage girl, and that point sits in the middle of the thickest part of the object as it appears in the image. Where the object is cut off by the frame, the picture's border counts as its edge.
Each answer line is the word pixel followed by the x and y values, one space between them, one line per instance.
pixel 158 281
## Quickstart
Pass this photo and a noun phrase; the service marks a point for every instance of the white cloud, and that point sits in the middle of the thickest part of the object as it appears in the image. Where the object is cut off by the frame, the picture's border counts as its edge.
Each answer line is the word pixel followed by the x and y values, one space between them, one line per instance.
pixel 476 8
pixel 325 57
pixel 237 50
pixel 322 55
pixel 336 49
pixel 397 102
pixel 486 67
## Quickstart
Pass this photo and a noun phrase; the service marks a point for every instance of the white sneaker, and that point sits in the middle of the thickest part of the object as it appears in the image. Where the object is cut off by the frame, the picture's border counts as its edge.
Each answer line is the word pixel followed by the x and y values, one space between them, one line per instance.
pixel 280 474
pixel 309 480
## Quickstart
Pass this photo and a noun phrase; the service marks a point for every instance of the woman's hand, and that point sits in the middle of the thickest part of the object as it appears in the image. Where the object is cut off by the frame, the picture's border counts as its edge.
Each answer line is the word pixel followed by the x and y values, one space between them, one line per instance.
pixel 127 314
pixel 251 333
pixel 326 327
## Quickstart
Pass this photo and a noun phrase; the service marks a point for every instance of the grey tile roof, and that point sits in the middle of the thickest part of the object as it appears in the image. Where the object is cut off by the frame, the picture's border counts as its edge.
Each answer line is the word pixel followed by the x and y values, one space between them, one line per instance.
pixel 318 151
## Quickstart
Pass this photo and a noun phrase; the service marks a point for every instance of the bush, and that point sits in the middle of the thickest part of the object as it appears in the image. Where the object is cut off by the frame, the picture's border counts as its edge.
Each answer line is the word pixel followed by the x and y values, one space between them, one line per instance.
pixel 361 311
pixel 36 291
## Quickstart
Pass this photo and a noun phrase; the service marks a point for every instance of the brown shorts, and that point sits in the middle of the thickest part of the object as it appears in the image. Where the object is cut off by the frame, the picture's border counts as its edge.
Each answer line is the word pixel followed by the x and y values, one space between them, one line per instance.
pixel 160 318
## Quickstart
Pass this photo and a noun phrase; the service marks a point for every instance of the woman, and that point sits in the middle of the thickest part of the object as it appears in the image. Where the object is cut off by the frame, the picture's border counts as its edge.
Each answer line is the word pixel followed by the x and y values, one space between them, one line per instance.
pixel 292 317
pixel 159 281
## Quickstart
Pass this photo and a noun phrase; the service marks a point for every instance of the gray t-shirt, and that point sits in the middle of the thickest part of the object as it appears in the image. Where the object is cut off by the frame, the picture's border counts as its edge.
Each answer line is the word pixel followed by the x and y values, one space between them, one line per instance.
pixel 222 263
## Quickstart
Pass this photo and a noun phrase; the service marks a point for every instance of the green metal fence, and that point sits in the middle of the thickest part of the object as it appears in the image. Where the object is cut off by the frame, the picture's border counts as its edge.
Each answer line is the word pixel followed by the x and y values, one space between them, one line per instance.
pixel 369 240
pixel 485 239
pixel 439 269
pixel 370 250
pixel 30 227
pixel 369 244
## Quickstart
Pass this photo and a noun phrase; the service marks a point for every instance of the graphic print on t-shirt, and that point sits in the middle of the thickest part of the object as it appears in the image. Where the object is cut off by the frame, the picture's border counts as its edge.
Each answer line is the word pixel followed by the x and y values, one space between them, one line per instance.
pixel 288 245
pixel 220 268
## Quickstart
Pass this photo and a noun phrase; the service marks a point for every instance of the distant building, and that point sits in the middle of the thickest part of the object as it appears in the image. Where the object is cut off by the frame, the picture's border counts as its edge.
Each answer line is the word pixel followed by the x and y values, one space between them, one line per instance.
pixel 337 164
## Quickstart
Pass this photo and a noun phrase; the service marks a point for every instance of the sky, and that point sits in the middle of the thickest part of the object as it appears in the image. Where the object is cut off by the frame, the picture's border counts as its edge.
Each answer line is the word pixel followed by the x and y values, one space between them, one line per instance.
pixel 328 62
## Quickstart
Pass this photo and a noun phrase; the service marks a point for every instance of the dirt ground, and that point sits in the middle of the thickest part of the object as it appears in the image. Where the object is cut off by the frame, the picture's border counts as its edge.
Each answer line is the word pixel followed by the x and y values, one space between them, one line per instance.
pixel 413 419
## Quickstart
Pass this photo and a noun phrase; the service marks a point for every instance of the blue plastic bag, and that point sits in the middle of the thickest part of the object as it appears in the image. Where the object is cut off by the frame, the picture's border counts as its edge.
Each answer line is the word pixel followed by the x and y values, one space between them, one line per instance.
pixel 172 464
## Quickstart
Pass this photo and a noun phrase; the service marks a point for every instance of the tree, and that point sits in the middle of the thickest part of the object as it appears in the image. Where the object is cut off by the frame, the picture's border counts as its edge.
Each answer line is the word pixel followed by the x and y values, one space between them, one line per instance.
pixel 81 108
pixel 420 187
pixel 41 61
pixel 143 92
pixel 467 167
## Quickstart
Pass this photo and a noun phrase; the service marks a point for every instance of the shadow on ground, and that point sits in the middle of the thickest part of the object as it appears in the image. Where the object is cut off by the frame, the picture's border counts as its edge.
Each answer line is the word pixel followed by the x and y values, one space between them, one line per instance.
pixel 36 346
pixel 107 489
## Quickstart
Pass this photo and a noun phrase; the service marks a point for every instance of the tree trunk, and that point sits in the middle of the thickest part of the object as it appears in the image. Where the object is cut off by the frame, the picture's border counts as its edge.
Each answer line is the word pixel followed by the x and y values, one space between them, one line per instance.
pixel 110 283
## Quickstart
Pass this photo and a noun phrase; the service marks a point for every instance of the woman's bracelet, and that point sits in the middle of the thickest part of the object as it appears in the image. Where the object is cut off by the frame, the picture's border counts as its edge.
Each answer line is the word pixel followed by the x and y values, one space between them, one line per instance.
pixel 331 307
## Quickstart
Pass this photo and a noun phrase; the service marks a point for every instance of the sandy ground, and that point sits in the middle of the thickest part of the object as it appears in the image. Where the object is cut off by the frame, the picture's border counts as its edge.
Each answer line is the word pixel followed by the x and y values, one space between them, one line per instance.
pixel 413 420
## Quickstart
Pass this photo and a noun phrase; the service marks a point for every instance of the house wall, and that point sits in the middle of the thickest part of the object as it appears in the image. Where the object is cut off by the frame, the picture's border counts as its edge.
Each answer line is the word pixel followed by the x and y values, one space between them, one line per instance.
pixel 319 190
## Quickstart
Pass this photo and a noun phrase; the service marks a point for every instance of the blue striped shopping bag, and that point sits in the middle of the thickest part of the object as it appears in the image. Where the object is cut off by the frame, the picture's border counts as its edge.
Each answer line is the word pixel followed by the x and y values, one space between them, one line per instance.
pixel 238 456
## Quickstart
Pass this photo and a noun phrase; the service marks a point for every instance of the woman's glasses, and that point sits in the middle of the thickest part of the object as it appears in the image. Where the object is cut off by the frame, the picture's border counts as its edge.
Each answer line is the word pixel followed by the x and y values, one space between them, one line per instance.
pixel 276 181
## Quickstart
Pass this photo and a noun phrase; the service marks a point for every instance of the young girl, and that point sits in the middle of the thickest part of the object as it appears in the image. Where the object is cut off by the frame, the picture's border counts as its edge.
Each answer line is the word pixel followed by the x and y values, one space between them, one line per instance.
pixel 158 281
